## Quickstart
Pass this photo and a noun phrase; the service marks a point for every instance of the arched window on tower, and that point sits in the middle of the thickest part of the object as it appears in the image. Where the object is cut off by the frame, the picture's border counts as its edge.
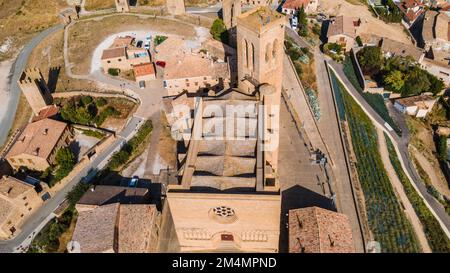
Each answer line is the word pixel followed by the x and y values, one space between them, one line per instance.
pixel 275 49
pixel 245 52
pixel 253 57
pixel 268 52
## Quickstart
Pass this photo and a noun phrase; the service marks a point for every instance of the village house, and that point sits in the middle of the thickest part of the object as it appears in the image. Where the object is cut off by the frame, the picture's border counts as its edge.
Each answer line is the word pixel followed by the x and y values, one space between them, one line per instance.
pixel 144 72
pixel 391 48
pixel 317 230
pixel 36 146
pixel 116 228
pixel 104 195
pixel 123 55
pixel 342 30
pixel 411 9
pixel 18 200
pixel 290 7
pixel 417 106
pixel 193 72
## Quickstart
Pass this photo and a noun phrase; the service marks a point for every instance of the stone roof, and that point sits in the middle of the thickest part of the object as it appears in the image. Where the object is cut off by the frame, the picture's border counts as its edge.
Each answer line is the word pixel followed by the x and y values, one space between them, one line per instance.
pixel 5 210
pixel 193 65
pixel 144 69
pixel 400 49
pixel 111 53
pixel 343 25
pixel 95 229
pixel 317 230
pixel 258 18
pixel 38 138
pixel 11 187
pixel 103 195
pixel 428 25
pixel 135 227
pixel 442 29
pixel 170 47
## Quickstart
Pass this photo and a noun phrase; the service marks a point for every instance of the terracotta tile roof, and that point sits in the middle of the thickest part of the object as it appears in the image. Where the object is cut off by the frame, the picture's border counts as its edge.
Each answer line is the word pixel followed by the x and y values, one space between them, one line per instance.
pixel 115 228
pixel 419 101
pixel 317 230
pixel 343 25
pixel 295 4
pixel 47 112
pixel 144 69
pixel 103 195
pixel 6 209
pixel 406 7
pixel 95 229
pixel 38 138
pixel 192 65
pixel 170 47
pixel 122 41
pixel 114 53
pixel 401 49
pixel 135 226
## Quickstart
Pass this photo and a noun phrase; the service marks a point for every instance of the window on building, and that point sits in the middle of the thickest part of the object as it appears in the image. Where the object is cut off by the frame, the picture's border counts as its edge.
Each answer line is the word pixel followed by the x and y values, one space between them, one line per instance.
pixel 30 161
pixel 12 160
pixel 108 62
pixel 120 60
pixel 24 198
pixel 21 160
pixel 196 83
pixel 26 204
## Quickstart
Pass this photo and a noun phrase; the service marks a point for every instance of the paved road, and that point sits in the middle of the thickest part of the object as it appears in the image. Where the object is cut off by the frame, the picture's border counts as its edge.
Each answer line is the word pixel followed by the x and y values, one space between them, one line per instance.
pixel 401 144
pixel 41 215
pixel 19 66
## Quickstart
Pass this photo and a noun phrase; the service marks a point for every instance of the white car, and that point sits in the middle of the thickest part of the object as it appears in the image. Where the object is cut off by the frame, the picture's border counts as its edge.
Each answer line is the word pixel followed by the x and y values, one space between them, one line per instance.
pixel 142 84
pixel 147 45
pixel 148 38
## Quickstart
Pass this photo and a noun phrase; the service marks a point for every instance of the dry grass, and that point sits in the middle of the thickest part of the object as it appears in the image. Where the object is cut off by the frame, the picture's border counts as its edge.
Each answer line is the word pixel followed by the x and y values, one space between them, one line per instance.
pixel 49 55
pixel 22 115
pixel 99 4
pixel 167 145
pixel 22 19
pixel 86 35
pixel 200 3
pixel 128 75
pixel 65 238
pixel 308 76
pixel 151 3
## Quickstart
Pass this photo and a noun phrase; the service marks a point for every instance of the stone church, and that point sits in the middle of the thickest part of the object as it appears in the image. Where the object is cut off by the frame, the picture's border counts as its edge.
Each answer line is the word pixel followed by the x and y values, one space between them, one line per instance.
pixel 227 197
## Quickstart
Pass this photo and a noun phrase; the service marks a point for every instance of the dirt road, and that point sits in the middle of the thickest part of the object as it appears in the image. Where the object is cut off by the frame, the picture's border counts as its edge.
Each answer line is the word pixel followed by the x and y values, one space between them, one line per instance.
pixel 398 187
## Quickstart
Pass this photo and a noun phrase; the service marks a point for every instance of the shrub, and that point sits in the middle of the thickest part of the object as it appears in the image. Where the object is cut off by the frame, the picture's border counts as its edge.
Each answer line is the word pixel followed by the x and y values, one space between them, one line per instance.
pixel 86 100
pixel 159 39
pixel 100 102
pixel 113 71
pixel 371 59
pixel 442 148
pixel 219 31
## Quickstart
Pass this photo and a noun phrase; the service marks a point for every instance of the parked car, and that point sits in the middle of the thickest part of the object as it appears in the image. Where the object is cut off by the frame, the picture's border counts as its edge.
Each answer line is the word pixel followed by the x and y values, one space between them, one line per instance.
pixel 142 84
pixel 134 181
pixel 139 43
pixel 147 45
pixel 148 38
pixel 161 64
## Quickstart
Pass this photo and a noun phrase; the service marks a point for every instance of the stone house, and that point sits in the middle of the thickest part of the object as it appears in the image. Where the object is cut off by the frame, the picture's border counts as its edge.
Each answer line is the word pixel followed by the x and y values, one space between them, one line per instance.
pixel 290 7
pixel 417 106
pixel 342 30
pixel 18 200
pixel 36 146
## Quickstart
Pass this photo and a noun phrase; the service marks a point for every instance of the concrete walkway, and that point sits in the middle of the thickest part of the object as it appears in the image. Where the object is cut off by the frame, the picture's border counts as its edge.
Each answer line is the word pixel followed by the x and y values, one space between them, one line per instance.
pixel 398 187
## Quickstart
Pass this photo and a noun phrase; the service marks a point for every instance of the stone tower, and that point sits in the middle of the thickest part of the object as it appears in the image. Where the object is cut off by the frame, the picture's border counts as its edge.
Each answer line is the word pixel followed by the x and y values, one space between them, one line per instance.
pixel 122 6
pixel 176 7
pixel 35 89
pixel 231 9
pixel 260 36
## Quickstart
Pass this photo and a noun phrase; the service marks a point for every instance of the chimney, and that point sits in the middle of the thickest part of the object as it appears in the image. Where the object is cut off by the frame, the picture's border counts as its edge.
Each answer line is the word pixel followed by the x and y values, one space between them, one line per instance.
pixel 45 131
pixel 36 151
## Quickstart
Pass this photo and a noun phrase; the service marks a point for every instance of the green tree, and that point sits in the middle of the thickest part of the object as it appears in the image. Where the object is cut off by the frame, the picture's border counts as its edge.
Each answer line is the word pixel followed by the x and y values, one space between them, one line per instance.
pixel 371 59
pixel 302 22
pixel 219 31
pixel 64 156
pixel 100 102
pixel 86 100
pixel 442 148
pixel 436 85
pixel 359 41
pixel 416 82
pixel 394 81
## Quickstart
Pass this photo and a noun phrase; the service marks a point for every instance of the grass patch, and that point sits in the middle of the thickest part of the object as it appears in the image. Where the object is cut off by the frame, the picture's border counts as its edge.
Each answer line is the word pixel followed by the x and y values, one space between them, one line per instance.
pixel 93 133
pixel 99 4
pixel 435 235
pixel 386 218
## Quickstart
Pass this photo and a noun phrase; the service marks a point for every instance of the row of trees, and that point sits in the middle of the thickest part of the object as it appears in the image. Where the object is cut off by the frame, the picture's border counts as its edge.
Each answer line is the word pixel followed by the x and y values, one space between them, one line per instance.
pixel 398 74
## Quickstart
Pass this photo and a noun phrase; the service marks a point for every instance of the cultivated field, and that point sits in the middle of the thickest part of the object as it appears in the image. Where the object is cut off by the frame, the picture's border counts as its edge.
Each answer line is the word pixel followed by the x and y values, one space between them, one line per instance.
pixel 386 218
